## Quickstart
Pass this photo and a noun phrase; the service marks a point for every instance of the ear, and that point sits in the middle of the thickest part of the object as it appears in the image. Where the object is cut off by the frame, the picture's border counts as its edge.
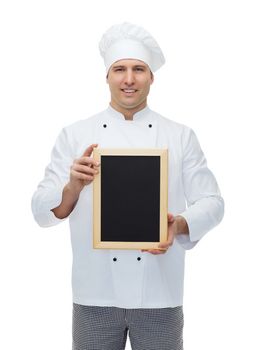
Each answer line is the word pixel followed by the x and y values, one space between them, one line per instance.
pixel 152 78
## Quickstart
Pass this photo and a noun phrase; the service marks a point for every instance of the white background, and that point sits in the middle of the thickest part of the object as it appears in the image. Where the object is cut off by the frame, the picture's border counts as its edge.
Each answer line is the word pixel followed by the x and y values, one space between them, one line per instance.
pixel 51 76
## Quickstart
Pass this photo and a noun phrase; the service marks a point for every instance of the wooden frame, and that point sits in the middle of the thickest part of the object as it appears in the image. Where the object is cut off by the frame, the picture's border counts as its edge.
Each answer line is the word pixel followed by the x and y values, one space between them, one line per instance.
pixel 163 205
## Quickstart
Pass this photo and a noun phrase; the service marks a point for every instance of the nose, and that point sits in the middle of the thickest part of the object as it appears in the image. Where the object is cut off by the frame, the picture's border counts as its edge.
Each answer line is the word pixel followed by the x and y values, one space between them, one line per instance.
pixel 129 77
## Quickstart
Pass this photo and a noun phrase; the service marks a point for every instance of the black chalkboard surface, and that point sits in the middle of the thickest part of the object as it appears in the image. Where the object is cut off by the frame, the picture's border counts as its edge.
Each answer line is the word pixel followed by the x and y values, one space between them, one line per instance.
pixel 130 198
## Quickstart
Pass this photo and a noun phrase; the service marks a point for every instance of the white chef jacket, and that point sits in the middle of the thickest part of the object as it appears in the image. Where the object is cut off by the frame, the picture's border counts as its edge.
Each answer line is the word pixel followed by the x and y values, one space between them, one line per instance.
pixel 153 281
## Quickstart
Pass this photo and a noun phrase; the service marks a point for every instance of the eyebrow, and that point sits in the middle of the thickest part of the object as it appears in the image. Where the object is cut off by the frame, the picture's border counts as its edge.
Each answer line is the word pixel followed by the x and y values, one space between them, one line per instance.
pixel 135 66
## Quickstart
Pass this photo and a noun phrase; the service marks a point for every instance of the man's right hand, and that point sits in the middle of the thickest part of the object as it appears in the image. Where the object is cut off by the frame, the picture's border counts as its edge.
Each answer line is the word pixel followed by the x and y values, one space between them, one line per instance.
pixel 83 170
pixel 81 173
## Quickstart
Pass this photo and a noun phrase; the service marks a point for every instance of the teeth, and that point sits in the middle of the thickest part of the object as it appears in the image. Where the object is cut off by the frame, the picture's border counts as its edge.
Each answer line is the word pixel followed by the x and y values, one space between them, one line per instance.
pixel 129 90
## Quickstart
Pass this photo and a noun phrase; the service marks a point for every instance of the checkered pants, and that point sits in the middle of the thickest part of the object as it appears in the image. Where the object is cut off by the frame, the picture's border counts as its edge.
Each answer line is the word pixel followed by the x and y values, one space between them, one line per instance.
pixel 106 328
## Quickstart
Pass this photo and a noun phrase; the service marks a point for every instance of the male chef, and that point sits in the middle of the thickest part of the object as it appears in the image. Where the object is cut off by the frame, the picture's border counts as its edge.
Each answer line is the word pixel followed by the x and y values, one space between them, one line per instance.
pixel 135 292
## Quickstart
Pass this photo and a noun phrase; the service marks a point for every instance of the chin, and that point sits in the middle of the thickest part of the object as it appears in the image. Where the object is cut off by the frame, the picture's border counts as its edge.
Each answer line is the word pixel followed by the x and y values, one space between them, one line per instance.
pixel 130 106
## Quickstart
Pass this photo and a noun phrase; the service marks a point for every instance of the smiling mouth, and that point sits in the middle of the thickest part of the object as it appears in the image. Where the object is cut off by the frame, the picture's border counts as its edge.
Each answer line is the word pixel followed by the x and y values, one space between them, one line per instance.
pixel 129 91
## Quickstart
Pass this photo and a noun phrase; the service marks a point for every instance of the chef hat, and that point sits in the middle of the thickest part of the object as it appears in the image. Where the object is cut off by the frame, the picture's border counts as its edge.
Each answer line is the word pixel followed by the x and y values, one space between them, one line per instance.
pixel 125 41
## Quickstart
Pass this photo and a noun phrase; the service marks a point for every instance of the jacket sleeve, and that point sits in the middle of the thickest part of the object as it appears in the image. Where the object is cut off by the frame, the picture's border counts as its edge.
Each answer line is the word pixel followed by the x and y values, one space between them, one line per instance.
pixel 205 206
pixel 49 191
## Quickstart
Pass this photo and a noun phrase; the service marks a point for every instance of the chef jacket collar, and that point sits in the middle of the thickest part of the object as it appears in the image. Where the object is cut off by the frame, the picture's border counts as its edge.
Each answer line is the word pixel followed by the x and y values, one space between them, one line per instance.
pixel 114 113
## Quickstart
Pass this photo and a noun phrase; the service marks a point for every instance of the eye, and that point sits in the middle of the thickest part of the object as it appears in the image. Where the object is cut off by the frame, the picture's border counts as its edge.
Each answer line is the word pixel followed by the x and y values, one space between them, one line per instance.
pixel 118 69
pixel 139 69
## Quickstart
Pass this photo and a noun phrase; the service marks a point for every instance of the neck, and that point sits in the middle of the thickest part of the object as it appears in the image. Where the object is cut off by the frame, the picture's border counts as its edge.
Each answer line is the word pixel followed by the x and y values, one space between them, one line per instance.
pixel 128 112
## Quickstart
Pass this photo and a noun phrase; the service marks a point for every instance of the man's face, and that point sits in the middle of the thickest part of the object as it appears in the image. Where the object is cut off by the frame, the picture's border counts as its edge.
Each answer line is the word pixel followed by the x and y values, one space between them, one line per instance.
pixel 129 81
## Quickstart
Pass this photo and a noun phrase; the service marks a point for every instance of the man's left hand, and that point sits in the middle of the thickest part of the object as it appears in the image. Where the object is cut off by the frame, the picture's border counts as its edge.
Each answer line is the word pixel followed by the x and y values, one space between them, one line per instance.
pixel 175 226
